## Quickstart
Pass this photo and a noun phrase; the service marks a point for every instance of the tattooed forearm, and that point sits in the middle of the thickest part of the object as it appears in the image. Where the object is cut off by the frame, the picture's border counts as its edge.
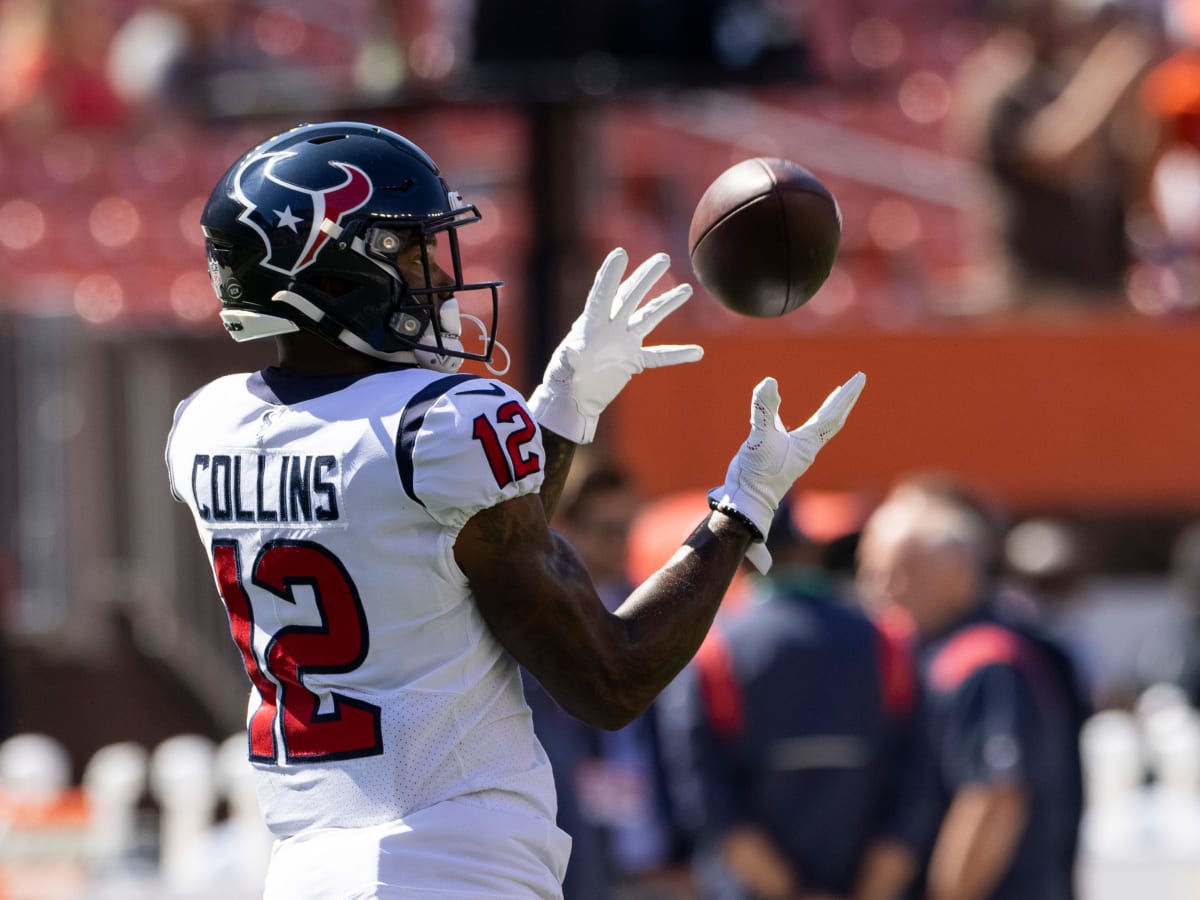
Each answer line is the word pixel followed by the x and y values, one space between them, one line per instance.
pixel 559 453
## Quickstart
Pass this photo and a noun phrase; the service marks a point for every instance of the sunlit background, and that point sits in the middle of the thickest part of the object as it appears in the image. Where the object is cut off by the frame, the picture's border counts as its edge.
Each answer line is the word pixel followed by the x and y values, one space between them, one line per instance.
pixel 574 127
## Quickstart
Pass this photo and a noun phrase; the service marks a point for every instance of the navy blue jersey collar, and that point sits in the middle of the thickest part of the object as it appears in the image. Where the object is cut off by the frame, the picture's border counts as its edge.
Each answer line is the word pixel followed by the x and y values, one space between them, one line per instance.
pixel 275 386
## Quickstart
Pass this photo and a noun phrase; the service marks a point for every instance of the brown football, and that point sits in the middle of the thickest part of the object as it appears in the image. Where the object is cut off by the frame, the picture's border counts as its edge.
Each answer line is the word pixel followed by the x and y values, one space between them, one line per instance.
pixel 764 236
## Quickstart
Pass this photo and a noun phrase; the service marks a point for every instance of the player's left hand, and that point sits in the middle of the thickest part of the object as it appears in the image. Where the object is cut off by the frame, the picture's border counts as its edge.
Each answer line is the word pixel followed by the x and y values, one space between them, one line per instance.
pixel 603 349
pixel 772 458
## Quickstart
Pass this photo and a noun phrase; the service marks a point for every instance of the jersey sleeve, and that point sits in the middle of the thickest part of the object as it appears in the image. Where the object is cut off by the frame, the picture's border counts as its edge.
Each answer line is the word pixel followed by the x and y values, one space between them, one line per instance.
pixel 468 448
pixel 991 724
pixel 168 456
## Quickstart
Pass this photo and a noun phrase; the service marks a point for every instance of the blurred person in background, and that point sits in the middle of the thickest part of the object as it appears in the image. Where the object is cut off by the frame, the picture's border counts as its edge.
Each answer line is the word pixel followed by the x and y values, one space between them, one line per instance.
pixel 1047 106
pixel 789 730
pixel 53 74
pixel 1171 94
pixel 1047 560
pixel 621 782
pixel 1185 579
pixel 377 523
pixel 993 810
pixel 624 842
pixel 8 599
pixel 569 743
pixel 167 57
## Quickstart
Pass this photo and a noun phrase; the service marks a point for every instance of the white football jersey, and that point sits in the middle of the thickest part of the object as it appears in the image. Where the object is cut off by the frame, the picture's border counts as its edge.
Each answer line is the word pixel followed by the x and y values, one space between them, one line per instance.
pixel 329 508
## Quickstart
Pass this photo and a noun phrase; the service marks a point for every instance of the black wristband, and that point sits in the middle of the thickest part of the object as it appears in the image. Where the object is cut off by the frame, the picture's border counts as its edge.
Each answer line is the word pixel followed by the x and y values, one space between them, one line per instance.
pixel 734 513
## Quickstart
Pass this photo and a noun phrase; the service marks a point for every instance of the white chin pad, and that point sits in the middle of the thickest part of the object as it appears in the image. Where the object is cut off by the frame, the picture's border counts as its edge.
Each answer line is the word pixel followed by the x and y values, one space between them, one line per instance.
pixel 451 328
pixel 243 325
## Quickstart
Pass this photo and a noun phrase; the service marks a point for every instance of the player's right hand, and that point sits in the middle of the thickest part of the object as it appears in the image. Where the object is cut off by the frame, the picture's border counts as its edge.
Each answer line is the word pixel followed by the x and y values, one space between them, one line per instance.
pixel 603 350
pixel 772 458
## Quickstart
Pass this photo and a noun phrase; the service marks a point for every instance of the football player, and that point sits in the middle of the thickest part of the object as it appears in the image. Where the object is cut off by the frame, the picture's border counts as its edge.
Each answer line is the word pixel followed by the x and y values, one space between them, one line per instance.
pixel 377 524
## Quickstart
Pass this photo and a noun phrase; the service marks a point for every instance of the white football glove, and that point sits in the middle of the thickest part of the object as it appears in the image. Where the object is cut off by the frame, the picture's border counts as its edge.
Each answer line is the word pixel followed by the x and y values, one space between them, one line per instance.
pixel 603 349
pixel 772 458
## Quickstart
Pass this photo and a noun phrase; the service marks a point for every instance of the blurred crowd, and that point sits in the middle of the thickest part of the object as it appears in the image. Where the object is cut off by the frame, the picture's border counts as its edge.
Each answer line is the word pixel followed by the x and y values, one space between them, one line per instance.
pixel 1082 117
pixel 1064 137
pixel 123 64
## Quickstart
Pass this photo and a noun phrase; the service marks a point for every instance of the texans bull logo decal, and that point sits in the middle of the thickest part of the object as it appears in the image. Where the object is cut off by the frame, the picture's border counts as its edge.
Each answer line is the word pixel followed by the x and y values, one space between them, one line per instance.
pixel 288 217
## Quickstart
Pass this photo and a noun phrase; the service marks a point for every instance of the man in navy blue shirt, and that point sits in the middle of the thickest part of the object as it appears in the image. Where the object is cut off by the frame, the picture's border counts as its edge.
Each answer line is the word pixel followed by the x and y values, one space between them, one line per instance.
pixel 993 811
pixel 785 733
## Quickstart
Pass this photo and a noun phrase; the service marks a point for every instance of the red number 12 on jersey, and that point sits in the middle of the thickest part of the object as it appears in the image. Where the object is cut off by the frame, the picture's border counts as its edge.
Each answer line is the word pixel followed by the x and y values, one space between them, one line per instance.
pixel 508 462
pixel 351 728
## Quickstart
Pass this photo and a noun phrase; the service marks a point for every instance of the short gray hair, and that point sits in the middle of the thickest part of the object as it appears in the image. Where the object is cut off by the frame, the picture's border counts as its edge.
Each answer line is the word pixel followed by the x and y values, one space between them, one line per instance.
pixel 934 523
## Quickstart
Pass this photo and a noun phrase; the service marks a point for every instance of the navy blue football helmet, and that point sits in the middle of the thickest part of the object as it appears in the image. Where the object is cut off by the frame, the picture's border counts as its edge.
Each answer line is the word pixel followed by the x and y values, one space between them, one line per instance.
pixel 302 233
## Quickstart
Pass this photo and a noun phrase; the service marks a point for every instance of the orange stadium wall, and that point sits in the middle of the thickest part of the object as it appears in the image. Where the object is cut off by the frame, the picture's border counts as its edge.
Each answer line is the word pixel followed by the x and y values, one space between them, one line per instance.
pixel 1100 412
